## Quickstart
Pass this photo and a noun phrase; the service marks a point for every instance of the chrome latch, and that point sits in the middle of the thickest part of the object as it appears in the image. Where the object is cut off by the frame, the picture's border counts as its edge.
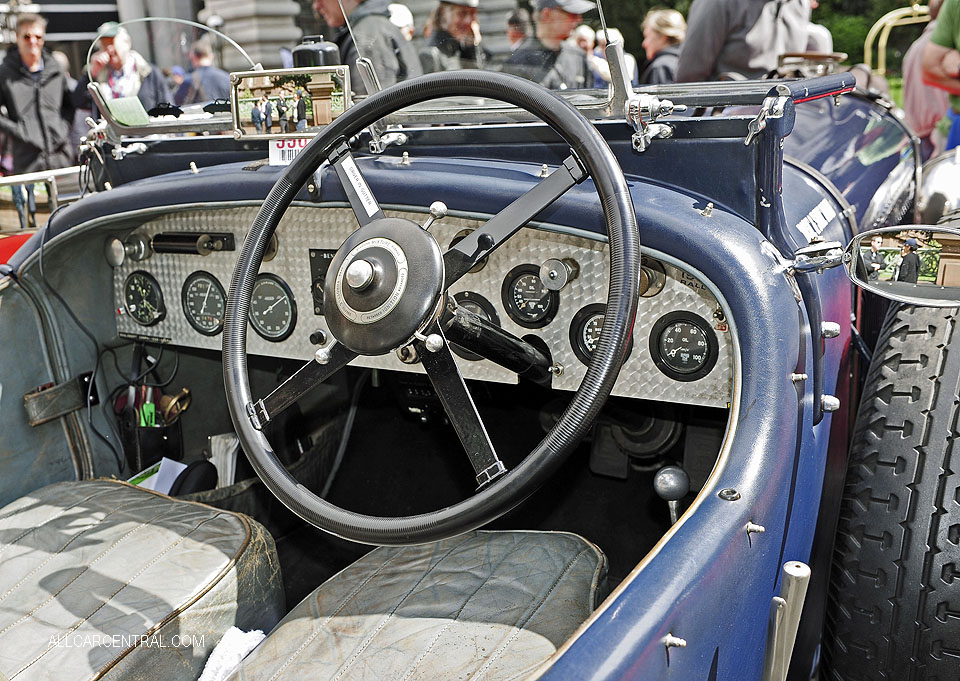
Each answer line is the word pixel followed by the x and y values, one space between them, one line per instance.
pixel 641 111
pixel 773 107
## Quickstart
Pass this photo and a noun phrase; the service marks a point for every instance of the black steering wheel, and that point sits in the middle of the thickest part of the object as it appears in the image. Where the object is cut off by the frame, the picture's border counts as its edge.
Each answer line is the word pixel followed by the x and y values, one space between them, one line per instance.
pixel 390 279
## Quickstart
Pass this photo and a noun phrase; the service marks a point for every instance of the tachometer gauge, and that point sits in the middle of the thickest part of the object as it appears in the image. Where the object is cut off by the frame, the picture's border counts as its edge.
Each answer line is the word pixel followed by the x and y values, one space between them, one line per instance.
pixel 204 302
pixel 481 307
pixel 683 346
pixel 585 331
pixel 273 311
pixel 143 298
pixel 527 301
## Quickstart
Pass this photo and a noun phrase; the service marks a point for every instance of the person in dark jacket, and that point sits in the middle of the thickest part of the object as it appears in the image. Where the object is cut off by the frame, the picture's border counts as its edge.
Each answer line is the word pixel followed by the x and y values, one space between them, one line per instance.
pixel 206 83
pixel 910 265
pixel 123 72
pixel 36 96
pixel 301 110
pixel 663 33
pixel 546 58
pixel 454 41
pixel 394 58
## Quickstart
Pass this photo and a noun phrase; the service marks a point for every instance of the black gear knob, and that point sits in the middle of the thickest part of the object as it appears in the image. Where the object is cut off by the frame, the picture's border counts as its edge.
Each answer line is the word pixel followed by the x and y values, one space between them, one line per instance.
pixel 671 484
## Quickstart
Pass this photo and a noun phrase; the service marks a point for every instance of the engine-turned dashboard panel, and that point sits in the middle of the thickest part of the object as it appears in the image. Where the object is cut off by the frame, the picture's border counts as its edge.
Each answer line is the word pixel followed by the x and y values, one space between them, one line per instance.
pixel 542 283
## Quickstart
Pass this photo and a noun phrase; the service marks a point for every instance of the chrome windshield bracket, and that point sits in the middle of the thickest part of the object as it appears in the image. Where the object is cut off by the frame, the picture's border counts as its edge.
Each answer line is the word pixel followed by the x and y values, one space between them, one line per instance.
pixel 773 107
pixel 379 143
pixel 641 110
pixel 816 257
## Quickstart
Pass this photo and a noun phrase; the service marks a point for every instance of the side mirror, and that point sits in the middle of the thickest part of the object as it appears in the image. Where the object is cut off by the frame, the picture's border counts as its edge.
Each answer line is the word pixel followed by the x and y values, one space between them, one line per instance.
pixel 915 264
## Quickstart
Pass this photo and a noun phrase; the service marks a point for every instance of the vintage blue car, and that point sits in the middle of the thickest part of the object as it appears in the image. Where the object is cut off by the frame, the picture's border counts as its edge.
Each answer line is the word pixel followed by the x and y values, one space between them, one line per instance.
pixel 588 370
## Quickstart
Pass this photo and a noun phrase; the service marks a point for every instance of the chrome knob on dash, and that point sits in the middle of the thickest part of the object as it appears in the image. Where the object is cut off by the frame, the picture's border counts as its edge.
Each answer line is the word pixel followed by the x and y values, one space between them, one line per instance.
pixel 360 274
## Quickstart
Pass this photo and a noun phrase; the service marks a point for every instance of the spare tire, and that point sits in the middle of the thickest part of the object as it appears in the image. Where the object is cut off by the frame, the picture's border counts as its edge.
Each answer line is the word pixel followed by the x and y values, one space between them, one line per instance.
pixel 894 609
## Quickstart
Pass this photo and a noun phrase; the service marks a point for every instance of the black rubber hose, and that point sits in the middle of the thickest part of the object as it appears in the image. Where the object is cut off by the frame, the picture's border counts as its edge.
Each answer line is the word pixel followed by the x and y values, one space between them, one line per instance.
pixel 601 374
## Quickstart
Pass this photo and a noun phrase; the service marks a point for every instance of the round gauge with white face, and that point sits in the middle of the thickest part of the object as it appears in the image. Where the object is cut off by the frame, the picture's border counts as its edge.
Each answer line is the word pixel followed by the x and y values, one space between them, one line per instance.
pixel 273 310
pixel 204 302
pixel 143 298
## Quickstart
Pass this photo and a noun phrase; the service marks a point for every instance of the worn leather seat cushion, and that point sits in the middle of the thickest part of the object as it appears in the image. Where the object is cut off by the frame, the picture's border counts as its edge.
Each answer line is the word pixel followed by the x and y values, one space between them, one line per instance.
pixel 485 605
pixel 102 579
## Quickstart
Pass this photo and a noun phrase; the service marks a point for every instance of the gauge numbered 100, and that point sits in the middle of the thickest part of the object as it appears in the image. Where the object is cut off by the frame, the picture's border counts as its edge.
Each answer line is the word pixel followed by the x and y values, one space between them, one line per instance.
pixel 585 332
pixel 527 301
pixel 683 346
pixel 273 311
pixel 204 302
pixel 143 298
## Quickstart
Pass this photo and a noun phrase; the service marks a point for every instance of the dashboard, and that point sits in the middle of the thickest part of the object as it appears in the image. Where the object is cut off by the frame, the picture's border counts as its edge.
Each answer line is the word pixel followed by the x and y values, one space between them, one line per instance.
pixel 545 283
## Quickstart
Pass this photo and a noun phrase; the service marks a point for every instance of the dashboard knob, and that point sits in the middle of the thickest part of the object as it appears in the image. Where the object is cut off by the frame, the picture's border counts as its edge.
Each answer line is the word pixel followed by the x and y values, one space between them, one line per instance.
pixel 556 273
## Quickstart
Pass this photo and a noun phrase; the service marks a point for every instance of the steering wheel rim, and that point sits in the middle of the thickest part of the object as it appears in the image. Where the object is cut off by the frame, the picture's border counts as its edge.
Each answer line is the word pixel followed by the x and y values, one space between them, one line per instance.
pixel 512 488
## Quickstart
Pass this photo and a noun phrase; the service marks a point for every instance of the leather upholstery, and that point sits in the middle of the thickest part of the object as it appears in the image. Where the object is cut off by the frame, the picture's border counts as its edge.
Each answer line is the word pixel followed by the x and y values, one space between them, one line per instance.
pixel 485 605
pixel 102 579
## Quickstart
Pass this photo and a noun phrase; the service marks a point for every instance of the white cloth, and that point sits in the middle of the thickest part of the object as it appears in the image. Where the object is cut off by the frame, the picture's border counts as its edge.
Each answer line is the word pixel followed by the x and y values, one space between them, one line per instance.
pixel 233 647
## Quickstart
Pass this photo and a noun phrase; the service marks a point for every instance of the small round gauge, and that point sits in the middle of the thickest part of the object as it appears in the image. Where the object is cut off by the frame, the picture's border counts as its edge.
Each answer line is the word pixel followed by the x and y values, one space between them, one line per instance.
pixel 273 311
pixel 481 307
pixel 527 301
pixel 143 298
pixel 683 346
pixel 585 331
pixel 204 302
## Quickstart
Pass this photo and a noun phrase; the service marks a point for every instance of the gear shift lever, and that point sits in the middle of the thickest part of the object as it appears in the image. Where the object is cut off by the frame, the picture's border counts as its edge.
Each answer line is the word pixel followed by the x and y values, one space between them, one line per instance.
pixel 671 484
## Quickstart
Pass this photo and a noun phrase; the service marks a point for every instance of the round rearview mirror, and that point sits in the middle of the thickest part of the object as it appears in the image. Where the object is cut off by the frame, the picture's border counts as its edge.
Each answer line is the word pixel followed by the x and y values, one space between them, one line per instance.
pixel 916 264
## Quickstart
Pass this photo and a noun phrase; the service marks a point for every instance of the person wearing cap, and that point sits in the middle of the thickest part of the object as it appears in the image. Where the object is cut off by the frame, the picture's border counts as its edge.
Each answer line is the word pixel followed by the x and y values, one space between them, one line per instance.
pixel 402 18
pixel 733 38
pixel 373 37
pixel 910 264
pixel 206 83
pixel 36 98
pixel 663 34
pixel 546 58
pixel 122 71
pixel 454 41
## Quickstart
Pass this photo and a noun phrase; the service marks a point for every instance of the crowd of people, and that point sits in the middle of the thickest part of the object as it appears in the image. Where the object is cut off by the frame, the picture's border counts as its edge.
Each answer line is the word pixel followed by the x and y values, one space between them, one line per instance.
pixel 552 45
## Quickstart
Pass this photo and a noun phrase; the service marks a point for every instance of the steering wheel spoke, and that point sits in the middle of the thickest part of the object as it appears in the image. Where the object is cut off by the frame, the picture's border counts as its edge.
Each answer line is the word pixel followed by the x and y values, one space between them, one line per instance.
pixel 326 362
pixel 362 200
pixel 482 241
pixel 453 393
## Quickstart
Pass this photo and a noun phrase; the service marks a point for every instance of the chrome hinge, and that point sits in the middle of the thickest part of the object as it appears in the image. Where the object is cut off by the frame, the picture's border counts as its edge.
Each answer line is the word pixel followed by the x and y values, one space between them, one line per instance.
pixel 641 111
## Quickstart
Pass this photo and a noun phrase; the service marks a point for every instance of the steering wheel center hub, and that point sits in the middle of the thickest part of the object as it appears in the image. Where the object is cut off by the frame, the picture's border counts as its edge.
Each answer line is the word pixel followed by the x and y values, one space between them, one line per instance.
pixel 389 276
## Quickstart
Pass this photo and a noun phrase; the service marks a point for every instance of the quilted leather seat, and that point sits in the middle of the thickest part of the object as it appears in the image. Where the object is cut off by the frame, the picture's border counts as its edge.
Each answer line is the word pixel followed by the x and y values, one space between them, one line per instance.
pixel 102 579
pixel 485 605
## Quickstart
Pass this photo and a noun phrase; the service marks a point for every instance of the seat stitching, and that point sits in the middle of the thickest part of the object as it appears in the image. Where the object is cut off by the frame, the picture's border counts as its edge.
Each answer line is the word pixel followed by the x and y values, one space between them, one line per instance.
pixel 37 526
pixel 363 646
pixel 423 655
pixel 109 598
pixel 521 623
pixel 64 547
pixel 340 607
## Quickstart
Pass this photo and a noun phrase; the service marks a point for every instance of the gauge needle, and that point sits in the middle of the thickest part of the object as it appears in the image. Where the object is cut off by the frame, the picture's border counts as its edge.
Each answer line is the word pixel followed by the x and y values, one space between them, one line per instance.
pixel 276 302
pixel 203 305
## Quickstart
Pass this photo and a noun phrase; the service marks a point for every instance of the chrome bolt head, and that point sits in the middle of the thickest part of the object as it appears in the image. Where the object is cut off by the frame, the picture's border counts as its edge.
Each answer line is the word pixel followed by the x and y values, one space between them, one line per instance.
pixel 434 342
pixel 322 356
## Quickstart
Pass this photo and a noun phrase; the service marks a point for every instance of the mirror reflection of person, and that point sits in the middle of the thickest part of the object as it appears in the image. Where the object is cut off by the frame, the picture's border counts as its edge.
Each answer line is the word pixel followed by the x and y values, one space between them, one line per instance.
pixel 394 58
pixel 874 259
pixel 124 71
pixel 454 41
pixel 256 117
pixel 546 58
pixel 301 109
pixel 266 113
pixel 910 263
pixel 283 114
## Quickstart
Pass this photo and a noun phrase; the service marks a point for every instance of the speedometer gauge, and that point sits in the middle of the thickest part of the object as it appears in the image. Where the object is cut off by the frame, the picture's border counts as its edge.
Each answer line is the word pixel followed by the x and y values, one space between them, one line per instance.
pixel 527 301
pixel 683 346
pixel 143 299
pixel 204 302
pixel 273 311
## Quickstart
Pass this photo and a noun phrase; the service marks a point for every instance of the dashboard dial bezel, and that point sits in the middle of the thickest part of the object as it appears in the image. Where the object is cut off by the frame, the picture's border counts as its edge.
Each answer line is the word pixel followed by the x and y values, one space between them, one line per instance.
pixel 584 316
pixel 154 287
pixel 508 299
pixel 288 295
pixel 668 321
pixel 187 311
